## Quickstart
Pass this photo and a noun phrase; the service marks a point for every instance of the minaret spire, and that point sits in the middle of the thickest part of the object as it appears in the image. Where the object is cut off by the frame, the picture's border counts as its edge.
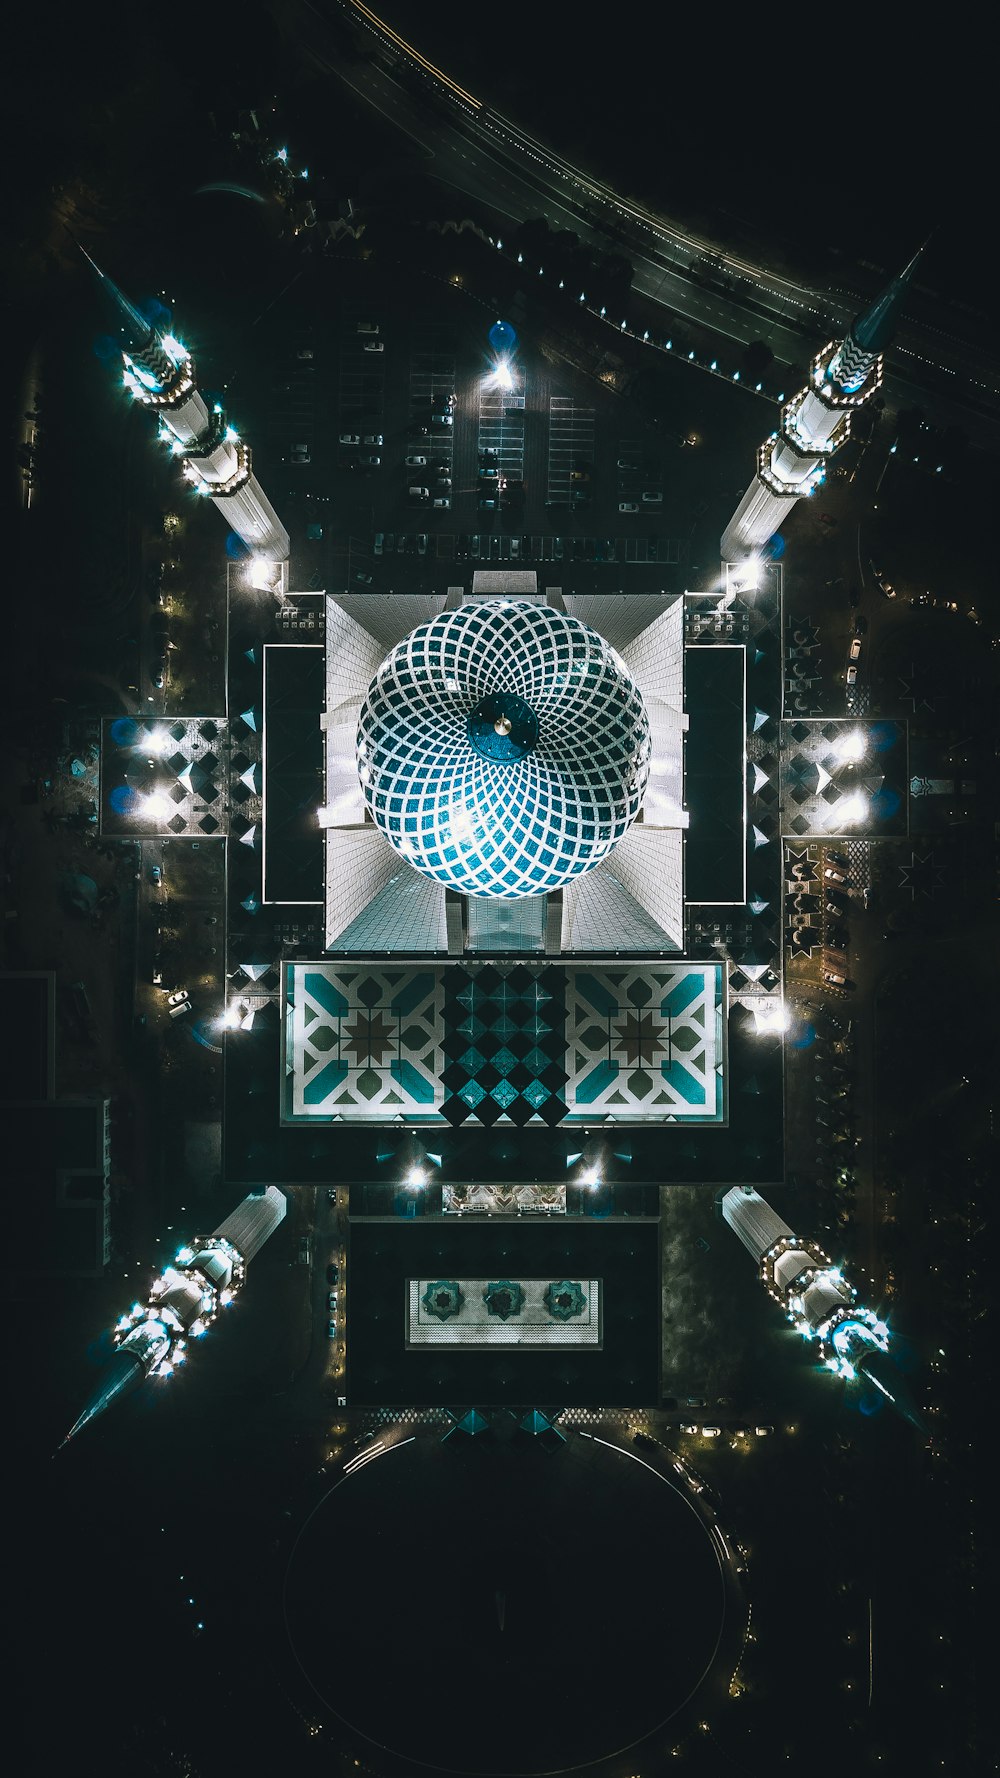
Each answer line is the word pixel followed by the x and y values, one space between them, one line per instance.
pixel 134 325
pixel 159 373
pixel 817 421
pixel 873 329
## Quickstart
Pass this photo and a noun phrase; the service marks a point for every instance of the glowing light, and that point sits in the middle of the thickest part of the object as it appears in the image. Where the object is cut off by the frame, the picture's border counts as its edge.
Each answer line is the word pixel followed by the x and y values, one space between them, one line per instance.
pixel 590 1177
pixel 174 349
pixel 416 1176
pixel 851 746
pixel 282 155
pixel 231 435
pixel 261 573
pixel 157 741
pixel 155 807
pixel 851 809
pixel 771 1015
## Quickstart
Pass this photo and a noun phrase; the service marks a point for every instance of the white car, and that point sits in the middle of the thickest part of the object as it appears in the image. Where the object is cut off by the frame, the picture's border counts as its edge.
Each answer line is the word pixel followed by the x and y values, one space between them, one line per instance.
pixel 444 502
pixel 372 438
pixel 374 346
pixel 415 462
pixel 711 1432
pixel 178 997
pixel 628 506
pixel 855 651
pixel 349 438
pixel 652 500
pixel 852 675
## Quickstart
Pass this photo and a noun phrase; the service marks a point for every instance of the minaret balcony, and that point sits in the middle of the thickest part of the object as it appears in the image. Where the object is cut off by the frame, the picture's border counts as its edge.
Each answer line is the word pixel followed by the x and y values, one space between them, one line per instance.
pixel 230 484
pixel 800 441
pixel 177 385
pixel 782 486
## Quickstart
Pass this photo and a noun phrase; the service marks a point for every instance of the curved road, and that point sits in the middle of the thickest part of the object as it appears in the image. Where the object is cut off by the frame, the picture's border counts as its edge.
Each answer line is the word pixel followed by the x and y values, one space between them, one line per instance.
pixel 486 157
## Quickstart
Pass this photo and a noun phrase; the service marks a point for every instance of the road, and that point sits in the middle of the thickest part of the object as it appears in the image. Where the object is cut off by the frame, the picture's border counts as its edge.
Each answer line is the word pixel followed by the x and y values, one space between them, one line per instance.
pixel 486 157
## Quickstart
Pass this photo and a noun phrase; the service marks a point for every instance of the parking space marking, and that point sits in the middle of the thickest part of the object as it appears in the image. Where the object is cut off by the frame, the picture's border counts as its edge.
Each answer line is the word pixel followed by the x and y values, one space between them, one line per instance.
pixel 571 438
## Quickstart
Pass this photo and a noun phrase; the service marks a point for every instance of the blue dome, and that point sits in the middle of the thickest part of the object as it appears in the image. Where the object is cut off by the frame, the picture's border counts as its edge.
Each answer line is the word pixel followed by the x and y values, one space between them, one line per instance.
pixel 503 748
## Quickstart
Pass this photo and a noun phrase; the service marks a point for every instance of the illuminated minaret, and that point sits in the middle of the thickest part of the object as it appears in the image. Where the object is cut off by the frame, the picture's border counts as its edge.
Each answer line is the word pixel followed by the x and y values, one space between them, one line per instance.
pixel 815 423
pixel 151 1339
pixel 160 374
pixel 817 1298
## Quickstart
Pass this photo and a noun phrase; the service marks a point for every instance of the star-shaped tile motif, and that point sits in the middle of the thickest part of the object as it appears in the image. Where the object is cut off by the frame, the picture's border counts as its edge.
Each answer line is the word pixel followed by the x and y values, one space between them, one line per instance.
pixel 640 1039
pixel 371 1037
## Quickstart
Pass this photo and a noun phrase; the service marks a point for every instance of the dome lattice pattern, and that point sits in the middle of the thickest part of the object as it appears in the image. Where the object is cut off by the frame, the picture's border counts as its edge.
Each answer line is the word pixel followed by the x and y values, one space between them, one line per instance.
pixel 503 748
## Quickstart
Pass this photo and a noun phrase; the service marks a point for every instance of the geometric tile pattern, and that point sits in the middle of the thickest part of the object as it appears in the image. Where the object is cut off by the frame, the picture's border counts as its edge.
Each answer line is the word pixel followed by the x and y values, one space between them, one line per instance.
pixel 646 1043
pixel 366 1043
pixel 519 1043
pixel 505 1043
pixel 174 775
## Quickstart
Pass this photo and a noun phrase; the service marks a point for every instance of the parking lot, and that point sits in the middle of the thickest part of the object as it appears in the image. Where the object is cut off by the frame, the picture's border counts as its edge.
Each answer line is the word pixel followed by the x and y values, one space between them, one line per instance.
pixel 395 440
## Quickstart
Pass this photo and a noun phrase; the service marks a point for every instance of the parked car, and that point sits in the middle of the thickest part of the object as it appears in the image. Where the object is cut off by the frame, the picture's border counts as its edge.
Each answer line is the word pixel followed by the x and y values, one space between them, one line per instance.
pixel 331 1334
pixel 178 997
pixel 379 542
pixel 373 438
pixel 415 462
pixel 177 1012
pixel 442 420
pixel 854 654
pixel 331 1302
pixel 628 506
pixel 370 462
pixel 155 874
pixel 349 438
pixel 630 468
pixel 834 875
pixel 652 500
pixel 419 493
pixel 332 1274
pixel 852 675
pixel 370 327
pixel 836 899
pixel 445 502
pixel 374 346
pixel 834 980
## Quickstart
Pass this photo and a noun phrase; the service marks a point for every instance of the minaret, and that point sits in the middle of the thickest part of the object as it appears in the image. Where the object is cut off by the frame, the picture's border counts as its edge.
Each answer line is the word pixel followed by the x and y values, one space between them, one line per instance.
pixel 206 1276
pixel 815 423
pixel 160 374
pixel 816 1298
